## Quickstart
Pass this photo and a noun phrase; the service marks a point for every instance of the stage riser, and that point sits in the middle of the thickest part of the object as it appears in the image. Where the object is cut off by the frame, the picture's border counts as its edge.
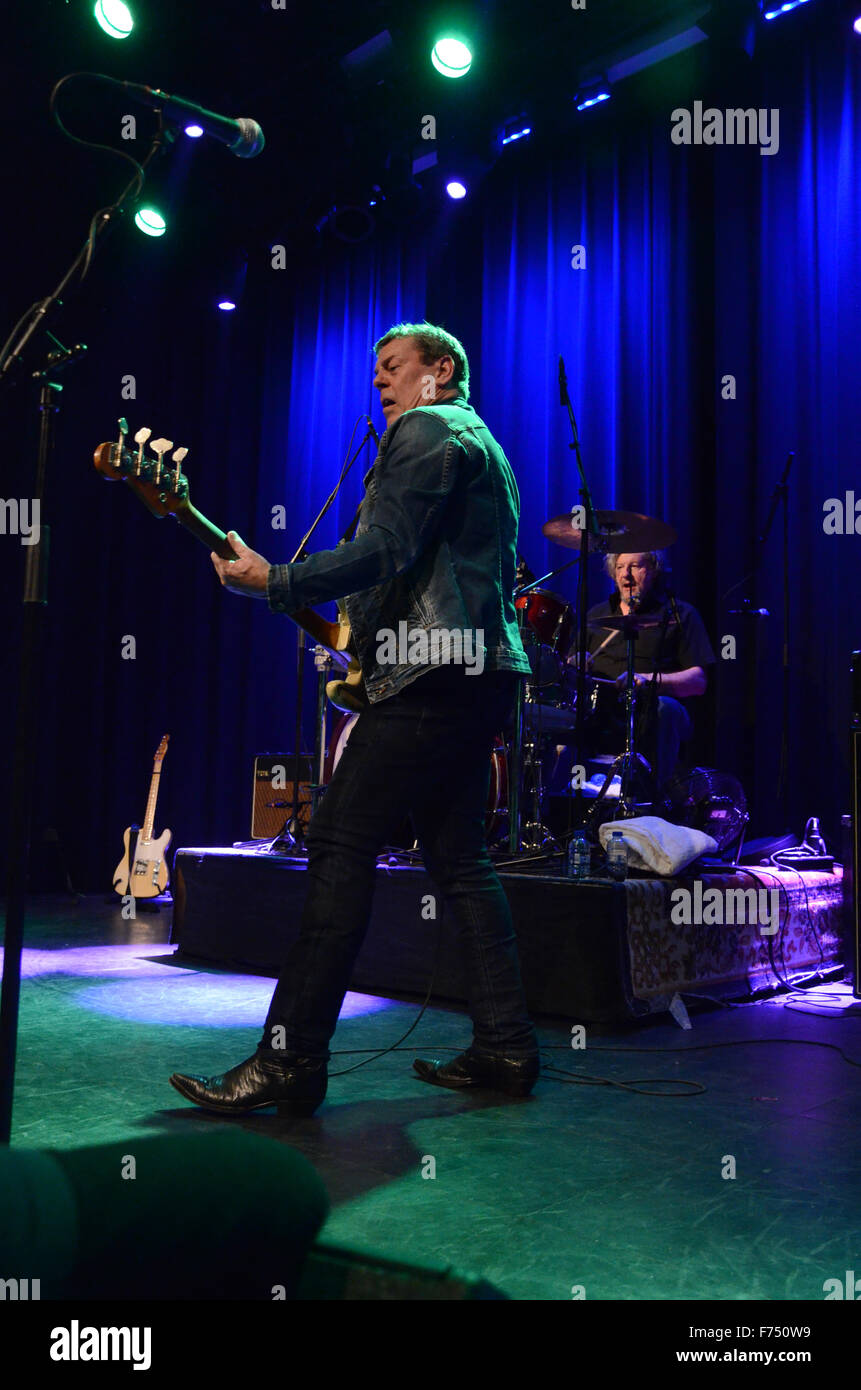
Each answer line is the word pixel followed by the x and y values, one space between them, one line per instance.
pixel 242 911
pixel 596 952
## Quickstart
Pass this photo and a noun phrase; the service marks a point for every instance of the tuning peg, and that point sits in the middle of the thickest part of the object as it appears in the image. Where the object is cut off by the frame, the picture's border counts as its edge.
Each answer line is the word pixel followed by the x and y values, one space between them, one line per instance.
pixel 140 439
pixel 177 456
pixel 117 450
pixel 160 447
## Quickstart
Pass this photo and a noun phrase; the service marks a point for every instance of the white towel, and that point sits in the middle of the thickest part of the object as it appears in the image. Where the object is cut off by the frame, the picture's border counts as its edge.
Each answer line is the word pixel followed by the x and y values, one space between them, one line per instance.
pixel 652 843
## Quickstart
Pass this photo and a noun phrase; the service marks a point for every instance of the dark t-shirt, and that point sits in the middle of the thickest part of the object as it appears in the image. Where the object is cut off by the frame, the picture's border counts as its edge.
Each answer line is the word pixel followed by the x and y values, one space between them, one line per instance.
pixel 683 645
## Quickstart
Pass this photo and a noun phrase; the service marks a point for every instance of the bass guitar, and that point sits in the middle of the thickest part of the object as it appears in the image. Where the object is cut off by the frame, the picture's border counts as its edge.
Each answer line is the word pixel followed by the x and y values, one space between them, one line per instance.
pixel 164 491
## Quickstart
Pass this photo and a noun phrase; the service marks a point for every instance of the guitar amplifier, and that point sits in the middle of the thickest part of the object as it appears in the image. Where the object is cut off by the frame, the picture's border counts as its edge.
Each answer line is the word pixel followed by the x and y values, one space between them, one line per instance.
pixel 272 804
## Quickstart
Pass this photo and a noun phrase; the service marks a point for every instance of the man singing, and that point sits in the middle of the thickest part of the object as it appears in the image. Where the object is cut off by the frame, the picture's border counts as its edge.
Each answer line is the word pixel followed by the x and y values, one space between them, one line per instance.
pixel 435 548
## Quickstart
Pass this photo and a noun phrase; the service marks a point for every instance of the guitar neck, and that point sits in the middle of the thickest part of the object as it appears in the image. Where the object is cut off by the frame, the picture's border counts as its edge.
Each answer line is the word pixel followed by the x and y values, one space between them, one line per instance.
pixel 319 629
pixel 201 527
pixel 149 818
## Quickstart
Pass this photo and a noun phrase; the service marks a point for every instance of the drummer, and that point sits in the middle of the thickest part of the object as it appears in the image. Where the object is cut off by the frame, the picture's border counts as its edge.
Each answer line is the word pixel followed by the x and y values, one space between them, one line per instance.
pixel 670 660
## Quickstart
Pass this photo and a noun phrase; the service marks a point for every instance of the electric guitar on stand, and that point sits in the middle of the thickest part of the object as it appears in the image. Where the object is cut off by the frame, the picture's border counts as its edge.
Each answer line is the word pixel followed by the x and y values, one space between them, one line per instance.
pixel 164 492
pixel 142 872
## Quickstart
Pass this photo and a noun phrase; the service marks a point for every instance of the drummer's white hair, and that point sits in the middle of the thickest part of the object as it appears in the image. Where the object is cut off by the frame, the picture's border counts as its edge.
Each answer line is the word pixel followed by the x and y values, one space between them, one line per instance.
pixel 657 557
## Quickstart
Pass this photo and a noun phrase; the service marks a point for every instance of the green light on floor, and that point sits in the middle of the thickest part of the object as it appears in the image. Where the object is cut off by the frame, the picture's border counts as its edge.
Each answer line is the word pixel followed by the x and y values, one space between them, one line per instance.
pixel 150 221
pixel 451 57
pixel 114 17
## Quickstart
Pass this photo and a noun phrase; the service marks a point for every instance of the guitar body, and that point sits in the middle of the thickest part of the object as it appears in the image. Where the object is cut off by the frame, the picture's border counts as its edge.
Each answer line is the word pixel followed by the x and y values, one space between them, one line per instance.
pixel 347 693
pixel 148 876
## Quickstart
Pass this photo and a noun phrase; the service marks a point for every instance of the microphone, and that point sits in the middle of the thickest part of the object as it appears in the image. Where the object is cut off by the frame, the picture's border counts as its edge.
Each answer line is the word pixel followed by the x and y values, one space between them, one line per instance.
pixel 372 431
pixel 242 136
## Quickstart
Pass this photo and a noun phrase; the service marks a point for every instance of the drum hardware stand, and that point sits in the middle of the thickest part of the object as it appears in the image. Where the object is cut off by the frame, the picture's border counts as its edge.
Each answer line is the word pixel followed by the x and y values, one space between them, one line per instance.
pixel 534 835
pixel 630 760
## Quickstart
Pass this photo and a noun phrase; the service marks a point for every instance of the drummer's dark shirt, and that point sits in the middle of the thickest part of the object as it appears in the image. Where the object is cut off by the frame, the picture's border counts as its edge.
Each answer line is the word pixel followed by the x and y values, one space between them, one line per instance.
pixel 682 646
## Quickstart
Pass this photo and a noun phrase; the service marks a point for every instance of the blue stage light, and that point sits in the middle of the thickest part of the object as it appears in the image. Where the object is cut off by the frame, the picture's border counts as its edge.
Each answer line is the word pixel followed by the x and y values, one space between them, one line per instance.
pixel 513 135
pixel 455 189
pixel 772 11
pixel 591 101
pixel 857 25
pixel 592 90
pixel 195 131
pixel 226 305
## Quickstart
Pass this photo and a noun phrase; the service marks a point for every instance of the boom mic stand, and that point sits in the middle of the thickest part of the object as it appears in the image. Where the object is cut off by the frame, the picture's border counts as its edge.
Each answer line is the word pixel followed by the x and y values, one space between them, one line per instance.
pixel 779 497
pixel 591 528
pixel 291 834
pixel 35 599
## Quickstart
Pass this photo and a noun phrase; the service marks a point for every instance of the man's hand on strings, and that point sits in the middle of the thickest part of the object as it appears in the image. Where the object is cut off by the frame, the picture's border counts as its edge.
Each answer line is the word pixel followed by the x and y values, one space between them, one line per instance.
pixel 248 574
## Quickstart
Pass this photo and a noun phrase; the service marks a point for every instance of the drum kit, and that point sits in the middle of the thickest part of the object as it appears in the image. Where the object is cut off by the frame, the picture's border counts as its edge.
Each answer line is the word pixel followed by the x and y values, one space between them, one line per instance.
pixel 555 706
pixel 548 711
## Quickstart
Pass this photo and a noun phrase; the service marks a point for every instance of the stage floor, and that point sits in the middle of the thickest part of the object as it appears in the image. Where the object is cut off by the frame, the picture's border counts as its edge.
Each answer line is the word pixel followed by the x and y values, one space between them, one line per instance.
pixel 590 1182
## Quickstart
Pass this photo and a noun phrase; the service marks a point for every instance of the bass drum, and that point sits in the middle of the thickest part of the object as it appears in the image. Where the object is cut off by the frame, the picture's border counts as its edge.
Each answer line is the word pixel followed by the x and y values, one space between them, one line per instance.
pixel 496 815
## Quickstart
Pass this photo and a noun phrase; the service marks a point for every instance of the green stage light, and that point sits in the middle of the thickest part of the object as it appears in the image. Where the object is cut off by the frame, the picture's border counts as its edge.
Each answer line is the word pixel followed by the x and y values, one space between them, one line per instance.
pixel 114 17
pixel 451 57
pixel 150 221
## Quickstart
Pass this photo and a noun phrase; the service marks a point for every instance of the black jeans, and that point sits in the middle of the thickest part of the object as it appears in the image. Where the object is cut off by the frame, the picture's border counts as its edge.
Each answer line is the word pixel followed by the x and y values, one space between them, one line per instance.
pixel 424 752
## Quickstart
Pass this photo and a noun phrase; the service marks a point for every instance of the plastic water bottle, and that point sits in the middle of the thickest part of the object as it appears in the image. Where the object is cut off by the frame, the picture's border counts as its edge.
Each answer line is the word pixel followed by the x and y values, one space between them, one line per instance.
pixel 579 856
pixel 617 856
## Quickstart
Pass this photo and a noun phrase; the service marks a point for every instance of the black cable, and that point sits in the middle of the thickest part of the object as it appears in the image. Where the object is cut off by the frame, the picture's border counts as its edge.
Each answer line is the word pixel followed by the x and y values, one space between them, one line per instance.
pixel 84 257
pixel 395 1047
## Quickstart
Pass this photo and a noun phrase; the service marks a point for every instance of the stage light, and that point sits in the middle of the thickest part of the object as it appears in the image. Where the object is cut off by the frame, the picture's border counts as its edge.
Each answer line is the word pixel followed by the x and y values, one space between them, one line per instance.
pixel 114 17
pixel 516 129
pixel 857 25
pixel 455 189
pixel 226 305
pixel 591 94
pixel 195 131
pixel 772 11
pixel 451 57
pixel 150 221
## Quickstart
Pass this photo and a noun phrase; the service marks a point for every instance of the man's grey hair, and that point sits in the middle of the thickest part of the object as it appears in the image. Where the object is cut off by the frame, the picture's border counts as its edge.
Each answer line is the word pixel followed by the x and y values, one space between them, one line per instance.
pixel 657 560
pixel 432 343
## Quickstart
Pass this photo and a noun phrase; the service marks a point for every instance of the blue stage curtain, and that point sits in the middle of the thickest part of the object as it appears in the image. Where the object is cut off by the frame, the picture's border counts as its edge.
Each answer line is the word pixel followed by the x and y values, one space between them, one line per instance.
pixel 700 263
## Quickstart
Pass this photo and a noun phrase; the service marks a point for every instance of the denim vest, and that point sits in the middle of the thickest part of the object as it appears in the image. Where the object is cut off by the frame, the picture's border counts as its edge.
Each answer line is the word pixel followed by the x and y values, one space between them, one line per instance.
pixel 434 553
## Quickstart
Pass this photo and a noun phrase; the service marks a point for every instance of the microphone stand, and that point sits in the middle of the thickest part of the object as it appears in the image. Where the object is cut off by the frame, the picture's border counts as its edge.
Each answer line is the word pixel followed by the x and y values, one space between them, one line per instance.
pixel 35 600
pixel 591 528
pixel 779 497
pixel 291 834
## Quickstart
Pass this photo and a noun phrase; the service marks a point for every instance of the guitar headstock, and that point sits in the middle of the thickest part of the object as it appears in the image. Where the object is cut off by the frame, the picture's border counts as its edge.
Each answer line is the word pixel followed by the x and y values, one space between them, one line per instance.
pixel 160 752
pixel 159 483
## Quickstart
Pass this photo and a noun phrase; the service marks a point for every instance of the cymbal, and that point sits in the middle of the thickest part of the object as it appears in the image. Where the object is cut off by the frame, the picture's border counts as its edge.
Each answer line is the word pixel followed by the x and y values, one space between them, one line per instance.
pixel 635 622
pixel 620 533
